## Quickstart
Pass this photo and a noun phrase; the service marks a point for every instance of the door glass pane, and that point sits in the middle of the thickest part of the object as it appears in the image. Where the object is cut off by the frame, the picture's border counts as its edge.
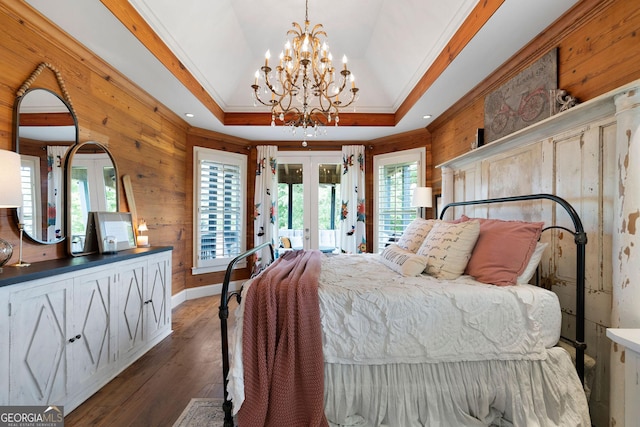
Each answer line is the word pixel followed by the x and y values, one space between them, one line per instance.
pixel 80 200
pixel 291 203
pixel 29 196
pixel 328 206
pixel 109 176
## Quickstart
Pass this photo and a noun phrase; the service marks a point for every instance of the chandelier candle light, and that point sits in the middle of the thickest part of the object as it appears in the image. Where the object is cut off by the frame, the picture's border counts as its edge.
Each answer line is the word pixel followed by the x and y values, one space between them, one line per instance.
pixel 304 92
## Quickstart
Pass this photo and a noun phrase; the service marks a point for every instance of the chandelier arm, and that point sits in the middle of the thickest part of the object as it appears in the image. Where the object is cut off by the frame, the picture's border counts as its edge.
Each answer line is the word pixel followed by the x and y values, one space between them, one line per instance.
pixel 292 79
pixel 289 104
pixel 351 101
pixel 315 111
pixel 318 30
pixel 324 98
pixel 269 85
pixel 264 103
pixel 297 29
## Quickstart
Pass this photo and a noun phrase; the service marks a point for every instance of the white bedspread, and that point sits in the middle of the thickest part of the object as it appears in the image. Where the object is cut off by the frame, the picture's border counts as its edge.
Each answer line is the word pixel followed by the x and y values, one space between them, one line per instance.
pixel 372 315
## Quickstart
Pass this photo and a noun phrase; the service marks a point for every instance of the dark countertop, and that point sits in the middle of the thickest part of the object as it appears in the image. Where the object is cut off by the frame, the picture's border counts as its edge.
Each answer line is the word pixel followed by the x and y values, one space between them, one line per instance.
pixel 12 275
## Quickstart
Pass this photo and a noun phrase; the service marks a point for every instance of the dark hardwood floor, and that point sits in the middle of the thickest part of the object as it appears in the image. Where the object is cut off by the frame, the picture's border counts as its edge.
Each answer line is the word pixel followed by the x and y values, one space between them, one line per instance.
pixel 156 388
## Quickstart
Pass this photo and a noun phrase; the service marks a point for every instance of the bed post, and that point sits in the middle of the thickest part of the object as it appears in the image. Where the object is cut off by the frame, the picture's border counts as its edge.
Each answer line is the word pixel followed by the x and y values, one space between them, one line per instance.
pixel 580 345
pixel 223 314
pixel 580 239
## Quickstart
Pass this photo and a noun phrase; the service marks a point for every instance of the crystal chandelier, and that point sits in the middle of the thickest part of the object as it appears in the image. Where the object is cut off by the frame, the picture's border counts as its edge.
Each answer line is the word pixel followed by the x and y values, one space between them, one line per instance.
pixel 305 90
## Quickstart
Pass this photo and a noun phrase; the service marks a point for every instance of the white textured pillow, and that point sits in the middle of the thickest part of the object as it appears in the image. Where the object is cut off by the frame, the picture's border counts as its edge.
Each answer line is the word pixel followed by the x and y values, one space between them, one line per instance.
pixel 531 267
pixel 448 248
pixel 415 233
pixel 403 261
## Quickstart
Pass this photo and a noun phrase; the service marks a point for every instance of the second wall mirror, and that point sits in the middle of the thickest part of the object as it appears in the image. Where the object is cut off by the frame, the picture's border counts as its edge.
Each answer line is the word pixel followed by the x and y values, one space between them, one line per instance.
pixel 92 183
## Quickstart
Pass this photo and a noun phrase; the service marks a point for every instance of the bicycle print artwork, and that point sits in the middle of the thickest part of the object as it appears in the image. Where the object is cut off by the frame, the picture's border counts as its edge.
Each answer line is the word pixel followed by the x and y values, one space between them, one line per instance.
pixel 531 106
pixel 523 100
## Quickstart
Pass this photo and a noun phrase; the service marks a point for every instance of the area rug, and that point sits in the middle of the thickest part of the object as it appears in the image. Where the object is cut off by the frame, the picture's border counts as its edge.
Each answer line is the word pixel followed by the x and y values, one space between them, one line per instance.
pixel 202 412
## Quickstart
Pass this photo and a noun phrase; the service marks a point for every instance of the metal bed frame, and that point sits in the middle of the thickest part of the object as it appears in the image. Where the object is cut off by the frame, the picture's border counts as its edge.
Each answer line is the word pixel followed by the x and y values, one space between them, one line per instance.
pixel 223 314
pixel 580 238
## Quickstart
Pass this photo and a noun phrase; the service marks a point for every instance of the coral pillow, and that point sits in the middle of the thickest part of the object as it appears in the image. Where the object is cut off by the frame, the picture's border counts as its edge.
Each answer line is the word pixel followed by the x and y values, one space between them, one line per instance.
pixel 503 250
pixel 403 261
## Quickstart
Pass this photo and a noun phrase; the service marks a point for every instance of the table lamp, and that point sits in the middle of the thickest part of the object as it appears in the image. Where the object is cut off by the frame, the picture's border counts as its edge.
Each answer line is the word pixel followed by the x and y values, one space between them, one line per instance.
pixel 10 196
pixel 422 198
pixel 143 240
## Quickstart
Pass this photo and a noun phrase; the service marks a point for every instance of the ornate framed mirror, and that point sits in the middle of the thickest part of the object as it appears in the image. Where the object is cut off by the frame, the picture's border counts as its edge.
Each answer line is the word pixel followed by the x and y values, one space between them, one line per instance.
pixel 46 127
pixel 92 186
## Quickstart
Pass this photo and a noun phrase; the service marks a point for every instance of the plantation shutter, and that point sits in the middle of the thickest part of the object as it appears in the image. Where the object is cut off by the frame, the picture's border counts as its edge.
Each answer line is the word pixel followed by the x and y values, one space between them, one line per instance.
pixel 220 199
pixel 395 177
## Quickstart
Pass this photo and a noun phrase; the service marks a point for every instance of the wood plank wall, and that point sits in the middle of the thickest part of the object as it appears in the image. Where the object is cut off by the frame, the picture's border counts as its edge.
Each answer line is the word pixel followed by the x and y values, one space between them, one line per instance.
pixel 598 50
pixel 147 140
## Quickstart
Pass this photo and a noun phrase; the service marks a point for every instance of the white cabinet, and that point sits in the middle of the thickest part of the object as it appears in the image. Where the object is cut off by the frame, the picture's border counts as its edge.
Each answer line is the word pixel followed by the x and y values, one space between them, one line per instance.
pixel 131 310
pixel 630 339
pixel 144 297
pixel 38 343
pixel 91 340
pixel 70 334
pixel 158 298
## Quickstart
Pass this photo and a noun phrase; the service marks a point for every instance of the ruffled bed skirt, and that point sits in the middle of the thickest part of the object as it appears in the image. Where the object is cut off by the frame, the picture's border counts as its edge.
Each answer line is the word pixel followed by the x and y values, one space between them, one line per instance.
pixel 488 393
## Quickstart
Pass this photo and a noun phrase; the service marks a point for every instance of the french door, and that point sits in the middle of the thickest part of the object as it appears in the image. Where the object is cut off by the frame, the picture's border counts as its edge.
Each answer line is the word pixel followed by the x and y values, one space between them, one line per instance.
pixel 309 199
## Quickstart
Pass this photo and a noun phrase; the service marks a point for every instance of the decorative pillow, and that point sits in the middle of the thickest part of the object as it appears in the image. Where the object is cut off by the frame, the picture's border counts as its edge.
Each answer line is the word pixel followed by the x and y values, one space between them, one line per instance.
pixel 403 261
pixel 503 250
pixel 415 233
pixel 530 270
pixel 448 248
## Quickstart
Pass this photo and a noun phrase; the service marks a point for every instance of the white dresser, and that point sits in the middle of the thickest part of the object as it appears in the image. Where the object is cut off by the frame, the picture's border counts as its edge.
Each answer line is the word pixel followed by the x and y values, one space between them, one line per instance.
pixel 67 327
pixel 630 339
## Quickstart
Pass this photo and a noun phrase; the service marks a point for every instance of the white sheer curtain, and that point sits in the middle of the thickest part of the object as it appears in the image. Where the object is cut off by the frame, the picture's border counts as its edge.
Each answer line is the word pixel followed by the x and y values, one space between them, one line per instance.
pixel 55 183
pixel 266 200
pixel 353 238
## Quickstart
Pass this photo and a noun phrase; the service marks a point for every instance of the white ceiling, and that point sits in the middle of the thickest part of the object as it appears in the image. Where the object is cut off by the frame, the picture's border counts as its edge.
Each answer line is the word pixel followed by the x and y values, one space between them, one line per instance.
pixel 390 45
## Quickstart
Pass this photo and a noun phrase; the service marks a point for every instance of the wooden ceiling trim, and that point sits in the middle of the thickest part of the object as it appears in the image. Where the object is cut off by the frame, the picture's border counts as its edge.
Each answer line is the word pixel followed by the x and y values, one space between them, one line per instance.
pixel 132 20
pixel 469 28
pixel 346 119
pixel 64 45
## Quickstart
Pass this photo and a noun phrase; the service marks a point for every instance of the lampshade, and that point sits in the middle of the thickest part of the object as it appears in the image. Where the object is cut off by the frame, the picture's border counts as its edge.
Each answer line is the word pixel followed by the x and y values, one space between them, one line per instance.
pixel 142 226
pixel 422 197
pixel 10 185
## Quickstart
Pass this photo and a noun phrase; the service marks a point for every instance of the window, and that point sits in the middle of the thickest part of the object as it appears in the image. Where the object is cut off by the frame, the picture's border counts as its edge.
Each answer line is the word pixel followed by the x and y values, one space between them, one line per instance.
pixel 219 203
pixel 93 188
pixel 30 179
pixel 395 177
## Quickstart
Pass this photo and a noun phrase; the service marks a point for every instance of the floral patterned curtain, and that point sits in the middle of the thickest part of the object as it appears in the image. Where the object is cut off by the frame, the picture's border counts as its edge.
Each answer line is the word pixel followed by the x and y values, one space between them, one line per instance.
pixel 265 223
pixel 353 238
pixel 55 177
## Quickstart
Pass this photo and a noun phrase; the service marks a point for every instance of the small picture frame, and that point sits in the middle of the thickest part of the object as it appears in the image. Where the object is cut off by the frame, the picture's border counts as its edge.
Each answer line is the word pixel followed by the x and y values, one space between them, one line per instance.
pixel 114 231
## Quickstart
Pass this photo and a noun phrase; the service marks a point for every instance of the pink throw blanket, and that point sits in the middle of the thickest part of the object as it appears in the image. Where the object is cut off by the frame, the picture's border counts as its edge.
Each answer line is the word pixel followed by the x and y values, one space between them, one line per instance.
pixel 282 345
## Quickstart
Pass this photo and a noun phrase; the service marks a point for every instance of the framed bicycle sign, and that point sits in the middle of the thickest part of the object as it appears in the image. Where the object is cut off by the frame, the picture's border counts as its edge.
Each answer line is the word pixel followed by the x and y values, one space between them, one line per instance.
pixel 523 100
